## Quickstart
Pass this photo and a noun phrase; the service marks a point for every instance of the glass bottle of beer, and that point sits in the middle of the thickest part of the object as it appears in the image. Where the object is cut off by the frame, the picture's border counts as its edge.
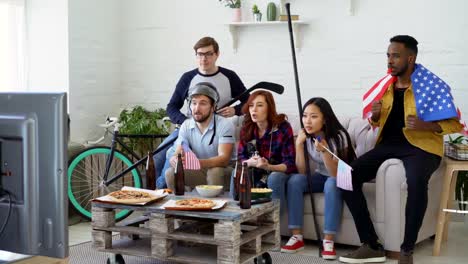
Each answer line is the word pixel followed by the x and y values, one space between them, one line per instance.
pixel 179 176
pixel 245 186
pixel 237 174
pixel 150 173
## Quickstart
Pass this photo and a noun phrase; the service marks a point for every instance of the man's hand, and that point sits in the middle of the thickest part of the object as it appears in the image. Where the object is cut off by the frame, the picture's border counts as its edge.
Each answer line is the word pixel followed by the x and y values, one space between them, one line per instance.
pixel 376 108
pixel 227 111
pixel 173 160
pixel 413 122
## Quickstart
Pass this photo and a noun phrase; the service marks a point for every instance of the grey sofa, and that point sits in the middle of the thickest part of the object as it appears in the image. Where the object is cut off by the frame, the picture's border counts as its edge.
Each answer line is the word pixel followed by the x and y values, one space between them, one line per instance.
pixel 386 198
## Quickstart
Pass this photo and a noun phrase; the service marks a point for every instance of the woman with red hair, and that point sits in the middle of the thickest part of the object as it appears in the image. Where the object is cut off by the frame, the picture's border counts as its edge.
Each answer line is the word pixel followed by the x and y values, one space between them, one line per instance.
pixel 267 144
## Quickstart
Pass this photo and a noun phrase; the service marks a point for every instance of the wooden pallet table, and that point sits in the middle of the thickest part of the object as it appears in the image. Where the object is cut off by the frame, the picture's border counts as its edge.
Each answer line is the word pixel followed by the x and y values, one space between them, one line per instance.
pixel 229 235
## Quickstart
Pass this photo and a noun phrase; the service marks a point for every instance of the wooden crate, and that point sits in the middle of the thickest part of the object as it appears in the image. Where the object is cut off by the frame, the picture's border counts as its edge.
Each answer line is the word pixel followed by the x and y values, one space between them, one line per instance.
pixel 230 235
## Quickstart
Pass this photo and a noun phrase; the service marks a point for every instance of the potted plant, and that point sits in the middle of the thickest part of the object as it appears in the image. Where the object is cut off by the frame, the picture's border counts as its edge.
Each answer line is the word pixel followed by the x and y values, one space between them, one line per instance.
pixel 235 5
pixel 461 187
pixel 231 3
pixel 256 13
pixel 138 120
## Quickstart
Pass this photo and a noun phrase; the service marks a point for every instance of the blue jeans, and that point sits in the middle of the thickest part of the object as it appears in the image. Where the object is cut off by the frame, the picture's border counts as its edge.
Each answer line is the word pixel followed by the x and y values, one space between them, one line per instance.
pixel 276 182
pixel 297 186
pixel 160 161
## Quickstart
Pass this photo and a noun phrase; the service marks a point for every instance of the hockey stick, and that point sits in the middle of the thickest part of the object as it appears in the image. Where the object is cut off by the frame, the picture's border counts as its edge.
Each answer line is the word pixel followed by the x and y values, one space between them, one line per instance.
pixel 299 104
pixel 274 87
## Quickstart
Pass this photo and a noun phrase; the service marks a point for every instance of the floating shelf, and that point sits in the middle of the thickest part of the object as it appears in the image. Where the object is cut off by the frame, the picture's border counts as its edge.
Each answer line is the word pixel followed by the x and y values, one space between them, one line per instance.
pixel 234 30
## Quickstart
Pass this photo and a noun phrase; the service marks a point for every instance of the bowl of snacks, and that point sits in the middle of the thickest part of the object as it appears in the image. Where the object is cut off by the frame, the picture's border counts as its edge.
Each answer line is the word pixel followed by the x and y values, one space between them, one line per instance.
pixel 209 190
pixel 261 193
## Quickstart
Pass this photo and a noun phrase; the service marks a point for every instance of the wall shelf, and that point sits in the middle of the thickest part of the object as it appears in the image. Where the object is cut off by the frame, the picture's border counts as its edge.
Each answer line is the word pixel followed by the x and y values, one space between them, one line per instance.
pixel 234 30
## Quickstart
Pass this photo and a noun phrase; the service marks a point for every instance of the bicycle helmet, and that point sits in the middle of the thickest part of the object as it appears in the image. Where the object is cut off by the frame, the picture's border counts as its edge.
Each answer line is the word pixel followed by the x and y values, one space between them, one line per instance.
pixel 204 88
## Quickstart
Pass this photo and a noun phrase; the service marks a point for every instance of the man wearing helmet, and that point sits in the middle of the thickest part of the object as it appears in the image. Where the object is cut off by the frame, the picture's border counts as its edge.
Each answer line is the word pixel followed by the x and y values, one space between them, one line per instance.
pixel 209 136
pixel 227 82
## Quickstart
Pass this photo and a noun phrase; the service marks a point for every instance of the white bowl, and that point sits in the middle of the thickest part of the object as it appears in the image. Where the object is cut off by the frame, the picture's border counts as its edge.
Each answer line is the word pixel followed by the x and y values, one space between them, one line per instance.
pixel 209 190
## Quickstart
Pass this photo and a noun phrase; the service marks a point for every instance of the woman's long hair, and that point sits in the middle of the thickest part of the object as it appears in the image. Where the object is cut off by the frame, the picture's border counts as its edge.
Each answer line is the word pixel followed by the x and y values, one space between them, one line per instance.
pixel 274 119
pixel 333 129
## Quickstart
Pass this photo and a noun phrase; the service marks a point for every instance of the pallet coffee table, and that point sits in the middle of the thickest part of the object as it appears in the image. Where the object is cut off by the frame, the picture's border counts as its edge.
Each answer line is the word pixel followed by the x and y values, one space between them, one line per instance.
pixel 229 235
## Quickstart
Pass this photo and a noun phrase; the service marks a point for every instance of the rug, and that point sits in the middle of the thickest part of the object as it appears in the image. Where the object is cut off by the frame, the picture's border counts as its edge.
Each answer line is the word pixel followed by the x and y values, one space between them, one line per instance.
pixel 85 254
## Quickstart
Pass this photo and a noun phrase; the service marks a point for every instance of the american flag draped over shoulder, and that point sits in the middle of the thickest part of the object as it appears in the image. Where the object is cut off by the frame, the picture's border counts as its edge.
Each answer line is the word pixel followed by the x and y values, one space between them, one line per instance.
pixel 432 95
pixel 191 160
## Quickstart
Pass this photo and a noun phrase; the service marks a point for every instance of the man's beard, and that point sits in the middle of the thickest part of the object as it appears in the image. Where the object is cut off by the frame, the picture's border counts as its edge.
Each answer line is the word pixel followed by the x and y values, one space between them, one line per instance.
pixel 202 118
pixel 401 72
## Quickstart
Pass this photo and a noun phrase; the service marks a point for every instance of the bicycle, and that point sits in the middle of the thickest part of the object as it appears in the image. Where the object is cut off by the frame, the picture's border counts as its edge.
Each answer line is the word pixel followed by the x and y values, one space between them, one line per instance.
pixel 99 170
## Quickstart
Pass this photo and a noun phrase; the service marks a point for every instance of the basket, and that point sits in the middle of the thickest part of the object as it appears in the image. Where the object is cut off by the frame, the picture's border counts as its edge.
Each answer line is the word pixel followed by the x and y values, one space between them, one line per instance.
pixel 456 151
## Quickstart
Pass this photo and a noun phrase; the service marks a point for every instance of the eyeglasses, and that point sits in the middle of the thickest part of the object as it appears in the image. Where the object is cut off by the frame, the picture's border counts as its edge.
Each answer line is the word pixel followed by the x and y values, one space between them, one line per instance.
pixel 207 55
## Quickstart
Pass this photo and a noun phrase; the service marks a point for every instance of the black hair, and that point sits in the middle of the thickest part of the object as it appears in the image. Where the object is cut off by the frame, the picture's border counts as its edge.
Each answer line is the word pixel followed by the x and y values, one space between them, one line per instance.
pixel 409 42
pixel 333 129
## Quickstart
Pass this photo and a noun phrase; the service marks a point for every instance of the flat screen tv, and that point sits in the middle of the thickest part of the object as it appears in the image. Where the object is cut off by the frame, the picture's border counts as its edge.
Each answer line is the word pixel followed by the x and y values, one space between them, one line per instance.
pixel 33 163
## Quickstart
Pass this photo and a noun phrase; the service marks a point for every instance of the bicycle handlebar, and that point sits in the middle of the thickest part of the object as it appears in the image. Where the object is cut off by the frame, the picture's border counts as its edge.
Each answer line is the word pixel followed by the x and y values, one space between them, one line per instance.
pixel 110 122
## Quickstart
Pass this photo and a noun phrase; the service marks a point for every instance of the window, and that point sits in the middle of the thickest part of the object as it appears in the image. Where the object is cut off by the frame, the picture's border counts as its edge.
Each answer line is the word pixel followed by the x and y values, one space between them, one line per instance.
pixel 12 45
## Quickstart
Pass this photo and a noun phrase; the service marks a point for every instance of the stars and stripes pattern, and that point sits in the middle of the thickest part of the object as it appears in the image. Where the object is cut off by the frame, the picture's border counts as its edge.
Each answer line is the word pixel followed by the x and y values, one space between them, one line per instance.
pixel 432 96
pixel 191 161
pixel 344 179
pixel 375 93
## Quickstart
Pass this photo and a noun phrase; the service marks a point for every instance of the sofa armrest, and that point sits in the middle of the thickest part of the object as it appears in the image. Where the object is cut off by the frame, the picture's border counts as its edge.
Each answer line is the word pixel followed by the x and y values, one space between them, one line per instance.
pixel 390 201
pixel 389 181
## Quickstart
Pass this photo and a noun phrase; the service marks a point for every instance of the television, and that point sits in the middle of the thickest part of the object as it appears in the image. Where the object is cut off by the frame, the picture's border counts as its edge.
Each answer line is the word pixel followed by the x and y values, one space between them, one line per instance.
pixel 33 163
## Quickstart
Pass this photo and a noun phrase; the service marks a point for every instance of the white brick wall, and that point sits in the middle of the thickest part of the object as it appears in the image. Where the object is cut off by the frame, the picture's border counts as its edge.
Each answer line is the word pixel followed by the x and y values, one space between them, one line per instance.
pixel 142 47
pixel 95 65
pixel 47 45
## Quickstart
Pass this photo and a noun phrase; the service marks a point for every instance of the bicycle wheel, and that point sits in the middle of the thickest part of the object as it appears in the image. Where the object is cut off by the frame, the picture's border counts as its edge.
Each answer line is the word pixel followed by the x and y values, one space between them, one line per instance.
pixel 85 176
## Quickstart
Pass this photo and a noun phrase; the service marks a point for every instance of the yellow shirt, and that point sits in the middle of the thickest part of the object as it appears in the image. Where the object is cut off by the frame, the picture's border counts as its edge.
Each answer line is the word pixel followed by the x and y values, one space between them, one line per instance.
pixel 429 141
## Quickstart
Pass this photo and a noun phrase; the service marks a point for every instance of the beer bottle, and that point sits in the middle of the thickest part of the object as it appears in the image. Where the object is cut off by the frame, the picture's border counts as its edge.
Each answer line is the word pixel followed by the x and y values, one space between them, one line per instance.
pixel 237 174
pixel 150 173
pixel 179 176
pixel 245 188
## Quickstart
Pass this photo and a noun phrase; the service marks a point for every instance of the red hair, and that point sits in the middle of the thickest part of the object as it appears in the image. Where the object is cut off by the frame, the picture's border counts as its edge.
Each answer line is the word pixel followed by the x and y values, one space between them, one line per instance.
pixel 273 118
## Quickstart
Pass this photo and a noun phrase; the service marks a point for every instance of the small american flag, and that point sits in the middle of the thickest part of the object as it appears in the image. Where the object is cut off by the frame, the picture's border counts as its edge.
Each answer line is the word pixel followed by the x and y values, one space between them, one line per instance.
pixel 344 179
pixel 191 160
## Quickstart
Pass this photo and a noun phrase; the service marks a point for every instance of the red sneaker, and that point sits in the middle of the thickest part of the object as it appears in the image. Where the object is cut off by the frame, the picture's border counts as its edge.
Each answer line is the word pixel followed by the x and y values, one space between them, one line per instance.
pixel 293 245
pixel 328 251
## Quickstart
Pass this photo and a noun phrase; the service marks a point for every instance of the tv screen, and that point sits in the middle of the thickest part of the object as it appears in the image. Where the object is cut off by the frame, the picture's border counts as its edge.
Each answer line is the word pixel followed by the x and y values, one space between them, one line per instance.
pixel 33 162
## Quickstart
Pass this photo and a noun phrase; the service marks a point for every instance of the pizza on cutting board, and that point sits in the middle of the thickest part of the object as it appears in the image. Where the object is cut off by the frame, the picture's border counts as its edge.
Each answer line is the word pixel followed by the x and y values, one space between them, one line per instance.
pixel 130 197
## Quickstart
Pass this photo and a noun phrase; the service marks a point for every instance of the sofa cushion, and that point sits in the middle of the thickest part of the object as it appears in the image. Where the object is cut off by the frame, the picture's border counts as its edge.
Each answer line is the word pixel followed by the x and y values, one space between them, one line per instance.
pixel 363 136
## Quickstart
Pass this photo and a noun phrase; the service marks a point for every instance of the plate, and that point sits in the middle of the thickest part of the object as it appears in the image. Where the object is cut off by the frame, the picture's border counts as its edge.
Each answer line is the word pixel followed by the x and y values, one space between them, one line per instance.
pixel 158 195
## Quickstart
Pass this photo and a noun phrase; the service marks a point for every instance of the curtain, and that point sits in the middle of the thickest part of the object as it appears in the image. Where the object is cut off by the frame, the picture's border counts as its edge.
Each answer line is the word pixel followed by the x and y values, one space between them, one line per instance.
pixel 12 46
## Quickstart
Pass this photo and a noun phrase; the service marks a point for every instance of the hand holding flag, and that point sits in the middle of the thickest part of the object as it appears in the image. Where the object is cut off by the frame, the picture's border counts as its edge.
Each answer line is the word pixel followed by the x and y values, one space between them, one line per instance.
pixel 344 179
pixel 191 161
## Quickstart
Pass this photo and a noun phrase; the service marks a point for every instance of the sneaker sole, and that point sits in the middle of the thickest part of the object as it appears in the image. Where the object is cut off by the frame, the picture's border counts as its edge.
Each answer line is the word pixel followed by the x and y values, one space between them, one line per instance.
pixel 291 250
pixel 367 260
pixel 329 257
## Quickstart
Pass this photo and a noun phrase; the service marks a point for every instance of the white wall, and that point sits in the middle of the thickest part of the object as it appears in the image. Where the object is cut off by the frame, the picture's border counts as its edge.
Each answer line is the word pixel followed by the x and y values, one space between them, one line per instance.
pixel 47 45
pixel 95 40
pixel 341 57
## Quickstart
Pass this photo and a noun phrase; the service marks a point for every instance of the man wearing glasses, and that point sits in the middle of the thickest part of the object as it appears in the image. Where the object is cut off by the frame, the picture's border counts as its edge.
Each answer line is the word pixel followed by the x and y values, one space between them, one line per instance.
pixel 228 84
